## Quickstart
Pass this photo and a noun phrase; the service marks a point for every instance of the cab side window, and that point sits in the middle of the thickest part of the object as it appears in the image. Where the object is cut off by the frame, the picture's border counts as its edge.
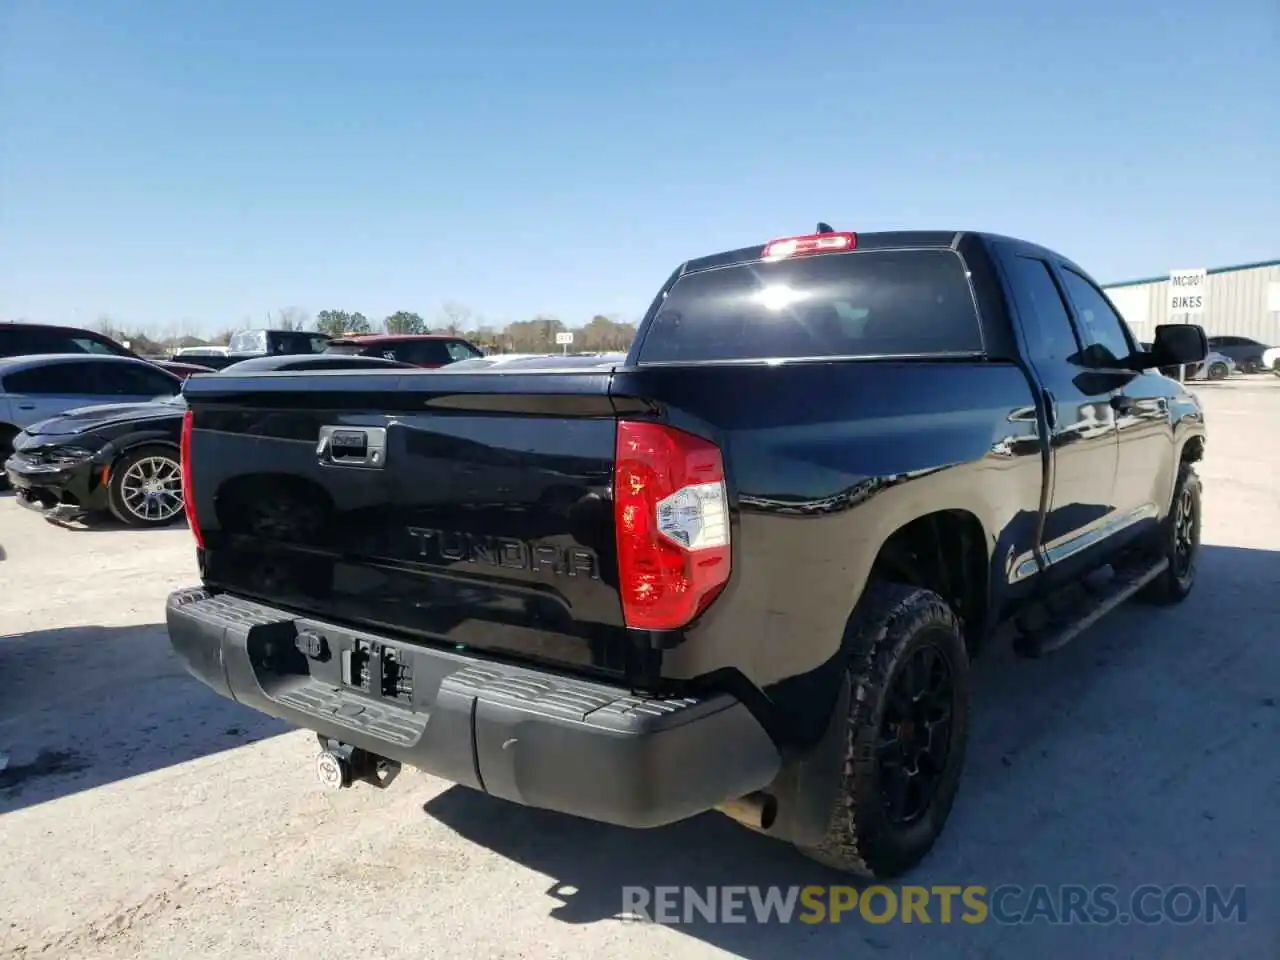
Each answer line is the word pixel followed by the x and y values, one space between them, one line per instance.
pixel 1109 345
pixel 461 350
pixel 1044 317
pixel 423 351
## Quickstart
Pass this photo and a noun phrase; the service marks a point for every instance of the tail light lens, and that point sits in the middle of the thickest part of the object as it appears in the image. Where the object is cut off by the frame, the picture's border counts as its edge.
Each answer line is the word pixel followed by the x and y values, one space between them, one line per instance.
pixel 672 515
pixel 188 492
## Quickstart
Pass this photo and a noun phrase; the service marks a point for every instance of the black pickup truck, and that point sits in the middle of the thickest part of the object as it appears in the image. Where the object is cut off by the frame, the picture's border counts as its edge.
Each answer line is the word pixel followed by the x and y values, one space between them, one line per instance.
pixel 744 570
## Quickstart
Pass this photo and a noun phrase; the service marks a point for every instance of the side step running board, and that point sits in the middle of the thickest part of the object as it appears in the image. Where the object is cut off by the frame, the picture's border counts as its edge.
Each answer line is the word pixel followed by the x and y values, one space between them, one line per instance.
pixel 1088 605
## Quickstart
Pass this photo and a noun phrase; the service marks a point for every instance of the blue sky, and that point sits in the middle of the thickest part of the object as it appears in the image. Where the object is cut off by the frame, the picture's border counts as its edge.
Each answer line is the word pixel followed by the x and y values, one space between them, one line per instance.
pixel 203 163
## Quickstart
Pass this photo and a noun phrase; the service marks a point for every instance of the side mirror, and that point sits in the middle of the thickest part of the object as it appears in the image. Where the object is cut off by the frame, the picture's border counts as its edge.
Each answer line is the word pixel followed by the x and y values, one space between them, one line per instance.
pixel 1176 344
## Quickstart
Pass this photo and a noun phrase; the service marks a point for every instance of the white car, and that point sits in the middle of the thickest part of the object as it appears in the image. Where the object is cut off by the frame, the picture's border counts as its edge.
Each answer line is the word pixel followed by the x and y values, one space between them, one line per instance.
pixel 492 360
pixel 42 386
pixel 522 361
pixel 1216 366
pixel 1271 360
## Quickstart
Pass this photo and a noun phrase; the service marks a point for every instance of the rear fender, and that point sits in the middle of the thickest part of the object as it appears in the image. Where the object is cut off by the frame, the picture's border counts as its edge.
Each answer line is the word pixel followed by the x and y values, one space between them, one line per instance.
pixel 784 620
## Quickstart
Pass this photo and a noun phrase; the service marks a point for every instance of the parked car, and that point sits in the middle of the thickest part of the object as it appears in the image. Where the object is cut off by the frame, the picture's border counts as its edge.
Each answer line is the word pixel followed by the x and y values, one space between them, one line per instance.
pixel 211 360
pixel 1244 352
pixel 1215 366
pixel 34 388
pixel 526 361
pixel 262 343
pixel 429 350
pixel 745 570
pixel 324 361
pixel 213 357
pixel 493 360
pixel 30 339
pixel 1271 360
pixel 123 457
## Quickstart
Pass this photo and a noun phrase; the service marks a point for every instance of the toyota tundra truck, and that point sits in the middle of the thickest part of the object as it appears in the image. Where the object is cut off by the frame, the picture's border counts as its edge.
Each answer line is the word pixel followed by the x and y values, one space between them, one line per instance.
pixel 744 570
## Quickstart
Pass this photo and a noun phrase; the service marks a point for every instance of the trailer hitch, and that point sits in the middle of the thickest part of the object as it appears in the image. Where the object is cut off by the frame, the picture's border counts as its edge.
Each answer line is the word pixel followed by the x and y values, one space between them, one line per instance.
pixel 339 765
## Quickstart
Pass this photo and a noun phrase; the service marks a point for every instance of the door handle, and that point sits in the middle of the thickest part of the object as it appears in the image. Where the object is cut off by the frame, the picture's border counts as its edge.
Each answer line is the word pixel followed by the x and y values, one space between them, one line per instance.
pixel 352 446
pixel 26 406
pixel 1121 404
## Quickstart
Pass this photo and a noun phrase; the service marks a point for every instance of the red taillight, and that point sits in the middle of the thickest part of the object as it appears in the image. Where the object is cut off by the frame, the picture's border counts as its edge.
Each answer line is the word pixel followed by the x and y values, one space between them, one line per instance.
pixel 672 515
pixel 813 243
pixel 188 492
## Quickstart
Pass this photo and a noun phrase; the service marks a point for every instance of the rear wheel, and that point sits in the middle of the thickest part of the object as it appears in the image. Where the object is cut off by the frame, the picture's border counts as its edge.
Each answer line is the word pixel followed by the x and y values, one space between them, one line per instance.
pixel 1218 371
pixel 905 734
pixel 146 487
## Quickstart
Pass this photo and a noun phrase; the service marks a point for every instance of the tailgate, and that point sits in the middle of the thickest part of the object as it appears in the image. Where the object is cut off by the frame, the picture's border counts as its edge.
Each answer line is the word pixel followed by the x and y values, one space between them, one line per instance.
pixel 467 509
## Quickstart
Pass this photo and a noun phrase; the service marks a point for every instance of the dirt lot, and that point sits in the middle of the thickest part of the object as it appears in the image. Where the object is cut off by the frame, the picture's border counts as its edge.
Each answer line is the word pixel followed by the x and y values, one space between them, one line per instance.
pixel 142 816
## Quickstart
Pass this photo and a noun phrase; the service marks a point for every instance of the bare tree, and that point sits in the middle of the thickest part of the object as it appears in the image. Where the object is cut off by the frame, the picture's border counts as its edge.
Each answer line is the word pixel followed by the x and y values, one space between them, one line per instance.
pixel 289 318
pixel 108 327
pixel 456 317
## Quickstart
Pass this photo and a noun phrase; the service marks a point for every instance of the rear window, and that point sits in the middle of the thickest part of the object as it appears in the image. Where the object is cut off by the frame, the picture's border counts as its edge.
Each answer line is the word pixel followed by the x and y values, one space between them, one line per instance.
pixel 248 341
pixel 866 303
pixel 295 341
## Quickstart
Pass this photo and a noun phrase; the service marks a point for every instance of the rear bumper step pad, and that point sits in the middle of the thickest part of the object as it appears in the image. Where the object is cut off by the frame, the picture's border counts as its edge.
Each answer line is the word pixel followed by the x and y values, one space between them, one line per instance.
pixel 529 736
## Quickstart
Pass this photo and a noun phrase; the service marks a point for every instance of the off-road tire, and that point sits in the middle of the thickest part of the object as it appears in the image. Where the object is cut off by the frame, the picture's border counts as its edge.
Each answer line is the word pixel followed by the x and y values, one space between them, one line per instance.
pixel 115 498
pixel 1175 583
pixel 891 622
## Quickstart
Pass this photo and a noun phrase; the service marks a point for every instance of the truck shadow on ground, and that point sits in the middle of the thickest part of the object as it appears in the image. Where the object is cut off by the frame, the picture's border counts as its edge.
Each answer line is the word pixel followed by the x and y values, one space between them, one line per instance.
pixel 84 706
pixel 1101 764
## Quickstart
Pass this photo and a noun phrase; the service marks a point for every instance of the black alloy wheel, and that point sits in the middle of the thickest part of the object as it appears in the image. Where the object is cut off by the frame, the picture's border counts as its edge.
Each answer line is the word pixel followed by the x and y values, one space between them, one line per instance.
pixel 915 733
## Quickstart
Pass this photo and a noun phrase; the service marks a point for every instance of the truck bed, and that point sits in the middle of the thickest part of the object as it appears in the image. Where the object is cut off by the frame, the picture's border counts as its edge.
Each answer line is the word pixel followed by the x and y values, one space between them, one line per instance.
pixel 487 522
pixel 490 522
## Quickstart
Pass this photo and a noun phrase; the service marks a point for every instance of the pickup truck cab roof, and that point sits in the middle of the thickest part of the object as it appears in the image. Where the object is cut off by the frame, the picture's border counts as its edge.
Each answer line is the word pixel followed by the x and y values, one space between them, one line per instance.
pixel 263 342
pixel 744 569
pixel 428 350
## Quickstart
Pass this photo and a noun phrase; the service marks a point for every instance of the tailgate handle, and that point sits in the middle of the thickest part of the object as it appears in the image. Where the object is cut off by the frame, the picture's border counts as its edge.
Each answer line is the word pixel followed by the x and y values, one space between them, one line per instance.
pixel 352 446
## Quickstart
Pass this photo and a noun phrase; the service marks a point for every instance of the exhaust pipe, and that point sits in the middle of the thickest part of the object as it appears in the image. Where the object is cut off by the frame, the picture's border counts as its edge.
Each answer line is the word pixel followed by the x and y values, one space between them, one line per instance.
pixel 756 811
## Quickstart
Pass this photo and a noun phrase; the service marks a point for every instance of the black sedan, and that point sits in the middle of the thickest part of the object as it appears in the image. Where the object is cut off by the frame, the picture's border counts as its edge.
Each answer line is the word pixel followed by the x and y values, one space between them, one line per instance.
pixel 123 458
pixel 1244 352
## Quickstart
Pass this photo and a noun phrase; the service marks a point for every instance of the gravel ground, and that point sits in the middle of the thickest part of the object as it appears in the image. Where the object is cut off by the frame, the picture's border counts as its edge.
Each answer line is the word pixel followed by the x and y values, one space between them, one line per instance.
pixel 143 816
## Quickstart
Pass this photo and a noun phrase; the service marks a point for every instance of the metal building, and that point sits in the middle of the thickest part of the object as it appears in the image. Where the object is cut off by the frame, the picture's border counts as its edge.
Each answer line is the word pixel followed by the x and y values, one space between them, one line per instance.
pixel 1240 301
